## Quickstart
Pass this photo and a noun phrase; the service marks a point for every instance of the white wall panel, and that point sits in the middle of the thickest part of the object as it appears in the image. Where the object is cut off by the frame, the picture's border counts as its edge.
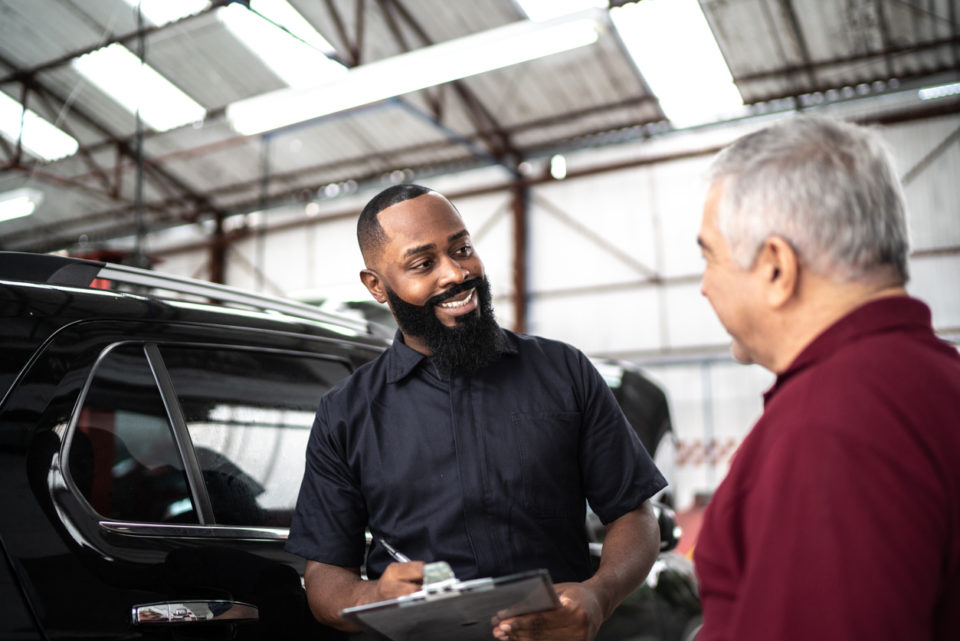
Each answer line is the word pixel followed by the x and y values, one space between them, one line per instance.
pixel 936 280
pixel 610 240
pixel 189 264
pixel 679 187
pixel 690 319
pixel 600 323
pixel 925 155
pixel 489 219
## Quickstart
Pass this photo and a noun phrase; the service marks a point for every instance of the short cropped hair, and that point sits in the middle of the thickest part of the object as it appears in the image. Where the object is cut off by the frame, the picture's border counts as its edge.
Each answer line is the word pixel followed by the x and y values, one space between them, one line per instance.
pixel 825 186
pixel 370 235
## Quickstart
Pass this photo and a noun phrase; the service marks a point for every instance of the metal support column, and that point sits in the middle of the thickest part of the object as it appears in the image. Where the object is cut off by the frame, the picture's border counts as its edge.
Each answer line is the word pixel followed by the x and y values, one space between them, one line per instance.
pixel 218 252
pixel 139 257
pixel 520 196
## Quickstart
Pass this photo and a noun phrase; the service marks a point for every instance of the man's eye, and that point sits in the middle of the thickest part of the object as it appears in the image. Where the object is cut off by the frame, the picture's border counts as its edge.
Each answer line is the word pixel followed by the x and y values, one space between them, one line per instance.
pixel 466 250
pixel 424 266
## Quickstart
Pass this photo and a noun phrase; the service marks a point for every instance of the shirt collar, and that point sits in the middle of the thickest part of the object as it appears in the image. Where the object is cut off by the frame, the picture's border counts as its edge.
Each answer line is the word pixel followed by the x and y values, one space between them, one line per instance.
pixel 402 360
pixel 874 317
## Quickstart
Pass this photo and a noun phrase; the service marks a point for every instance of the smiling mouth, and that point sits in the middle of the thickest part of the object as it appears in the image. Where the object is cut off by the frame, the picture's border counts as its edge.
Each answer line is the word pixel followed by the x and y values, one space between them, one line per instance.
pixel 458 301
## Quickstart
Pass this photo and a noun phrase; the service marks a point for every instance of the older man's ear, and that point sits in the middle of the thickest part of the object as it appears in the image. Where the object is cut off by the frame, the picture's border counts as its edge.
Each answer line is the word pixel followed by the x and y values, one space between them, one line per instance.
pixel 779 269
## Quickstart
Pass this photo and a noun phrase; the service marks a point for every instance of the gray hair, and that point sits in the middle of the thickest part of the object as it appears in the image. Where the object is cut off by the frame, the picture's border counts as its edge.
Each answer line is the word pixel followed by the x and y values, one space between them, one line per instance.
pixel 826 187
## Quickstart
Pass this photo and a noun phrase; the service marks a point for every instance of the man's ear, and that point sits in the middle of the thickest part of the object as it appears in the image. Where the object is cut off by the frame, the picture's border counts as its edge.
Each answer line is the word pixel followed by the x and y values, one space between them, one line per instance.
pixel 374 285
pixel 779 268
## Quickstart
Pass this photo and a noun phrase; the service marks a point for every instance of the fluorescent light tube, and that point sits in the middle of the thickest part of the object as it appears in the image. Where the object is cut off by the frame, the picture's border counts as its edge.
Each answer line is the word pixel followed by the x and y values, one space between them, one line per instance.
pixel 940 91
pixel 19 203
pixel 427 67
pixel 136 85
pixel 40 138
pixel 675 51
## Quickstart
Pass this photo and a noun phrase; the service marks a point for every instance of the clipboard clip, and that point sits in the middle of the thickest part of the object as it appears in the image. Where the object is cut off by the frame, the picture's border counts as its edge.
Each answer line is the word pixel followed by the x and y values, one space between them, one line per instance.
pixel 439 581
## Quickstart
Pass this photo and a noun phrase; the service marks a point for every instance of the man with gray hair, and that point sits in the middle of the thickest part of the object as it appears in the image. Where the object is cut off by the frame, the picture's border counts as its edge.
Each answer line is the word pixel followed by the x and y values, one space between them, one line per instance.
pixel 840 515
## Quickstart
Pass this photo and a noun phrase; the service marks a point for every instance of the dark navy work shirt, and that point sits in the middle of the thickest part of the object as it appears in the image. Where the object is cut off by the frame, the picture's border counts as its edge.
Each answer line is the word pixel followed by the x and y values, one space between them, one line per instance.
pixel 488 471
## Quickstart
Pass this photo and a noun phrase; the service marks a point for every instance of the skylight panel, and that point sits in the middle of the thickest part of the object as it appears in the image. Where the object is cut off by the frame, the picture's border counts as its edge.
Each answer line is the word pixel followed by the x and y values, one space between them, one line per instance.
pixel 298 60
pixel 675 51
pixel 160 12
pixel 282 13
pixel 121 75
pixel 40 138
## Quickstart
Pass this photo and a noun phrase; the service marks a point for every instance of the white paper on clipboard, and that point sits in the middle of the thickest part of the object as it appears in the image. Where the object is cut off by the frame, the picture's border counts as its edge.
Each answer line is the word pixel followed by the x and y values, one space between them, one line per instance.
pixel 460 610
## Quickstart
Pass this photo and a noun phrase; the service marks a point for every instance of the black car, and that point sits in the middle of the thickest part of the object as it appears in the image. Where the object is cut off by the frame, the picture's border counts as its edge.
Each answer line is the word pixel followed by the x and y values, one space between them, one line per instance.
pixel 152 440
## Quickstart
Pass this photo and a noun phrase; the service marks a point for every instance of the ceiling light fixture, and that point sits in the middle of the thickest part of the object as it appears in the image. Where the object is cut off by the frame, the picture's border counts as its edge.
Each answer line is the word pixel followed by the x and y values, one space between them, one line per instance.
pixel 940 91
pixel 298 59
pixel 19 203
pixel 427 67
pixel 119 73
pixel 677 54
pixel 38 136
pixel 558 166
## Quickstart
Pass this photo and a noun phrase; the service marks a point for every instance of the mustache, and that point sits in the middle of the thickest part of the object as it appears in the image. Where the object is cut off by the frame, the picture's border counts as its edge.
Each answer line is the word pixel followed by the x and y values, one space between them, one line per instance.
pixel 453 291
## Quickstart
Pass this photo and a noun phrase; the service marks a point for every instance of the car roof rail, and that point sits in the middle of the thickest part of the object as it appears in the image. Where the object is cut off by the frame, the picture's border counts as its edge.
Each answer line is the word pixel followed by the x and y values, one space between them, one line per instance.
pixel 83 273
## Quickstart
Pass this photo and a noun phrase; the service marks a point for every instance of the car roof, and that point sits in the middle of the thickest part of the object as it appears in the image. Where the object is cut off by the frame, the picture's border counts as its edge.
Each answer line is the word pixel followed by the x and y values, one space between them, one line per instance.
pixel 72 289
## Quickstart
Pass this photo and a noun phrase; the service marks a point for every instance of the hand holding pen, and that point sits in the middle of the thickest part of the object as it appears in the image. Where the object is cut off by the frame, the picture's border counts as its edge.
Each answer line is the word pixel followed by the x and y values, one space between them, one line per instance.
pixel 432 572
pixel 403 577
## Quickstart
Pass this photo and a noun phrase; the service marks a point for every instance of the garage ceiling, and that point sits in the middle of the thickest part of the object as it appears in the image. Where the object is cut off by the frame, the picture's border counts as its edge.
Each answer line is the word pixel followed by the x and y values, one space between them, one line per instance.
pixel 782 54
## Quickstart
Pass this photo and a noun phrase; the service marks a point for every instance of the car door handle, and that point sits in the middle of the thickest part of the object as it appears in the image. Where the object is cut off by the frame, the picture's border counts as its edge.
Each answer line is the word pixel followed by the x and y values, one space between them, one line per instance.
pixel 194 612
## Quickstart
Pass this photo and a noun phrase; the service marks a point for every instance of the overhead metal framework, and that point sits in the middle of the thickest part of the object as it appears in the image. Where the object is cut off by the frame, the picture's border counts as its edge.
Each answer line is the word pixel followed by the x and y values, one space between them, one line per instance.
pixel 782 54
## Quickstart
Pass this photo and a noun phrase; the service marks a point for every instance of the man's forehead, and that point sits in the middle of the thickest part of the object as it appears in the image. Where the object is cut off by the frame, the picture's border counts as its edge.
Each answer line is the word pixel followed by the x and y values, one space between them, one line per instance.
pixel 422 219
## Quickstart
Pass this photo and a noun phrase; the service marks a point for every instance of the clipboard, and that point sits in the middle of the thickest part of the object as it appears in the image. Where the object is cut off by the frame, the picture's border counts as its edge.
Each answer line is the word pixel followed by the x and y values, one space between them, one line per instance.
pixel 453 609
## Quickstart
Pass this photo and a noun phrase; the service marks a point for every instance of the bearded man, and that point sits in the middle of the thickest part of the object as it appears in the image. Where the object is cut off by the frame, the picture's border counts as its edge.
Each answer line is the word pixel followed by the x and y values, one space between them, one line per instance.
pixel 467 443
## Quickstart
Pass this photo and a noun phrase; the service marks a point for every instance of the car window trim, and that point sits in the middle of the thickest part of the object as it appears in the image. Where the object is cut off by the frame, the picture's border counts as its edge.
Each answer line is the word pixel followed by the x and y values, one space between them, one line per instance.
pixel 181 435
pixel 183 530
pixel 177 424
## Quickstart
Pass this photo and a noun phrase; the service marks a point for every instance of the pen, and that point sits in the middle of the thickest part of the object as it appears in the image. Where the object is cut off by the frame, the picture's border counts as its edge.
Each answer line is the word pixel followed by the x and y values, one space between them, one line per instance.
pixel 394 552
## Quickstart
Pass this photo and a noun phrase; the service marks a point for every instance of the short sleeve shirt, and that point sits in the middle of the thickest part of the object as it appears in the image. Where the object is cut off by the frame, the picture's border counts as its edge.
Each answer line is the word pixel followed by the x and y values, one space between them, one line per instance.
pixel 840 516
pixel 489 471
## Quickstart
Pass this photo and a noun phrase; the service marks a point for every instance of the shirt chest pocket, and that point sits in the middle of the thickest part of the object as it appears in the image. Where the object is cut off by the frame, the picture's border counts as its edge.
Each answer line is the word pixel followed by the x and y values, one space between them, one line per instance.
pixel 549 447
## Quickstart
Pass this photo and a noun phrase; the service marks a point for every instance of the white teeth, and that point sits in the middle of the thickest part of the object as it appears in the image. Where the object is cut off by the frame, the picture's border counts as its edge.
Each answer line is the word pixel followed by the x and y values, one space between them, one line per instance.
pixel 457 304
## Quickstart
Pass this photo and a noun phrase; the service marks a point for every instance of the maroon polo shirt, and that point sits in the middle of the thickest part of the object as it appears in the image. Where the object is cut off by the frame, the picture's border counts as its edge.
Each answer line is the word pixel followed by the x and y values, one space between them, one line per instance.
pixel 840 515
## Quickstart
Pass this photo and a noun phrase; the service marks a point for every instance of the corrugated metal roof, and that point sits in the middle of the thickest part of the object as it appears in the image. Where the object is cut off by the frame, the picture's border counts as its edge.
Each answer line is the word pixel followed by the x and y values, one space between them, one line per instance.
pixel 827 49
pixel 785 49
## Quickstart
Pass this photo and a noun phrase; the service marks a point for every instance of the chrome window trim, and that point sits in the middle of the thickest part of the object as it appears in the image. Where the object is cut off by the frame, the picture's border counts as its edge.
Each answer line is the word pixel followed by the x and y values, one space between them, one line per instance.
pixel 196 531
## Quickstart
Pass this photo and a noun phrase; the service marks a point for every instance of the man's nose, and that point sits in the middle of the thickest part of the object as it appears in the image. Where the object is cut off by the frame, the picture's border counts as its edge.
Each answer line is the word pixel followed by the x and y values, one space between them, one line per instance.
pixel 452 272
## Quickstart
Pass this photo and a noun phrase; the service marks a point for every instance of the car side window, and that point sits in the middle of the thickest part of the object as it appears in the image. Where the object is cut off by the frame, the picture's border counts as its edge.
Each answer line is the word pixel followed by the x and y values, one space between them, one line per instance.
pixel 249 414
pixel 122 455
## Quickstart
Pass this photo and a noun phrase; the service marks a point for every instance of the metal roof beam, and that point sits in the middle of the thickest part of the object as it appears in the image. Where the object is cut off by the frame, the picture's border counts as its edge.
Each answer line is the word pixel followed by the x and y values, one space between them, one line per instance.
pixel 866 57
pixel 499 143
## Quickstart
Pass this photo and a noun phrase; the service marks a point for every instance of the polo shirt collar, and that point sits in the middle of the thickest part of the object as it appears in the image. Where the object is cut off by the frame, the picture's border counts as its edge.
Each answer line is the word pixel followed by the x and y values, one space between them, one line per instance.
pixel 881 315
pixel 402 360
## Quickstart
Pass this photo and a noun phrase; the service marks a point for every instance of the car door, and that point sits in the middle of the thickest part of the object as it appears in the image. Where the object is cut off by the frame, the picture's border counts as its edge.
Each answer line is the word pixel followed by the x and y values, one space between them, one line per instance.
pixel 166 463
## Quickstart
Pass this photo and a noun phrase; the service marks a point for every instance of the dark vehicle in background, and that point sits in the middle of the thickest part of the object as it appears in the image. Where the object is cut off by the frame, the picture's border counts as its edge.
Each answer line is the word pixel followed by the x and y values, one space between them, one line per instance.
pixel 152 440
pixel 667 606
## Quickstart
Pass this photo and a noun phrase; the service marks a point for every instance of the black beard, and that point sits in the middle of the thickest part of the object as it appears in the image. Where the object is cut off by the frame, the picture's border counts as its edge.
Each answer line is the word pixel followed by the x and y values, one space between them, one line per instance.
pixel 472 343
